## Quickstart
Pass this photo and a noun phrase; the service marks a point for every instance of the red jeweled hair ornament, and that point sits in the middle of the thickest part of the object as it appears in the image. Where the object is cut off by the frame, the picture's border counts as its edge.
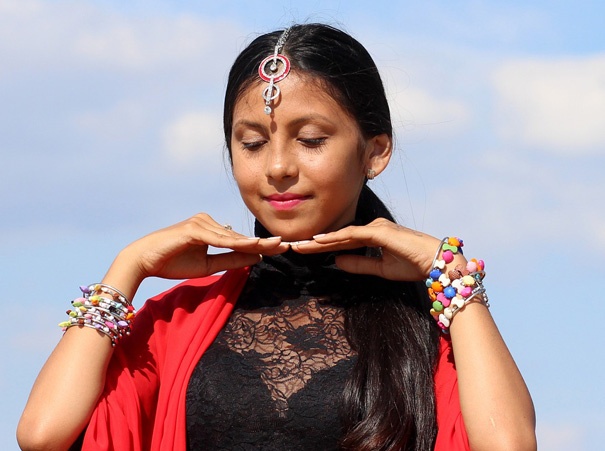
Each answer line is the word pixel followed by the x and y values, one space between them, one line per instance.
pixel 273 69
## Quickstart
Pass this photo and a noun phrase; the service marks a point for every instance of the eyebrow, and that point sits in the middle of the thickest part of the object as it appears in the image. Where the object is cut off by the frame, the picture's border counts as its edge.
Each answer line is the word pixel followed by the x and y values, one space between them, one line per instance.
pixel 311 118
pixel 248 123
pixel 299 120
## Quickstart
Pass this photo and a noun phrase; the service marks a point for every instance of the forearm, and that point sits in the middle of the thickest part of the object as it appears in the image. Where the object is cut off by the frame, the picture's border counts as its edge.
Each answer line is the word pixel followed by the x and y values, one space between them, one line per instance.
pixel 71 381
pixel 66 391
pixel 496 405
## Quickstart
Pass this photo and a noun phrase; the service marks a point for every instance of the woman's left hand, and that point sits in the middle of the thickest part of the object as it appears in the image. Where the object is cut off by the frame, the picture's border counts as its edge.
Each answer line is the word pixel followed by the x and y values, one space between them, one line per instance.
pixel 407 255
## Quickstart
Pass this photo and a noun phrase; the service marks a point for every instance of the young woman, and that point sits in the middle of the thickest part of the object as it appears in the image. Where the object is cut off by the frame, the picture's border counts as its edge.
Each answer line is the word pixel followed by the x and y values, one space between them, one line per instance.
pixel 322 332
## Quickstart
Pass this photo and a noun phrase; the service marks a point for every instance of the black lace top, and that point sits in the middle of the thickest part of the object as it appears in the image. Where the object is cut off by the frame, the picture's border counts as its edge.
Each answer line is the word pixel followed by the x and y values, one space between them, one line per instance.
pixel 274 377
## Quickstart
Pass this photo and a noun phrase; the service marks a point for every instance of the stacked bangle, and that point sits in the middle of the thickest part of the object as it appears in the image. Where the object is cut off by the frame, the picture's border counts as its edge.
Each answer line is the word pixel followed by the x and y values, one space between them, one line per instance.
pixel 450 291
pixel 103 308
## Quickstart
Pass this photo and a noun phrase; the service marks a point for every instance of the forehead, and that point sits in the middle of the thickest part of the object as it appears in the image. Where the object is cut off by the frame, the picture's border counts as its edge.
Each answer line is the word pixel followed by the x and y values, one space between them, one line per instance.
pixel 300 93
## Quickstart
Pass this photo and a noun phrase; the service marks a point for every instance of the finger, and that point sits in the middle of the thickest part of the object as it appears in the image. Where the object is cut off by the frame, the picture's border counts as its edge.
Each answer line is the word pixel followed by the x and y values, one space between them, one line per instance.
pixel 312 247
pixel 231 260
pixel 362 235
pixel 357 264
pixel 227 229
pixel 204 231
pixel 269 246
pixel 352 237
pixel 207 222
pixel 283 247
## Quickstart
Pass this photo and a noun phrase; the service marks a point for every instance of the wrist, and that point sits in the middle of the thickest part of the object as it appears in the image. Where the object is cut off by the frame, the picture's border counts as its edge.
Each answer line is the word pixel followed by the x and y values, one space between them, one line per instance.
pixel 454 282
pixel 125 274
pixel 101 307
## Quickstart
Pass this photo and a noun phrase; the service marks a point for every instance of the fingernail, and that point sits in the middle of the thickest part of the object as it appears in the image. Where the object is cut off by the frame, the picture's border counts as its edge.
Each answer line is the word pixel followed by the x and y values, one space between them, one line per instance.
pixel 318 236
pixel 298 243
pixel 274 238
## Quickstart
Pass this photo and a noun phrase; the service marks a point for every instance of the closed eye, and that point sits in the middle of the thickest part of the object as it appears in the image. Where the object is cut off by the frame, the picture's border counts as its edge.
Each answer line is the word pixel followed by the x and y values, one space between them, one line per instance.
pixel 253 145
pixel 312 142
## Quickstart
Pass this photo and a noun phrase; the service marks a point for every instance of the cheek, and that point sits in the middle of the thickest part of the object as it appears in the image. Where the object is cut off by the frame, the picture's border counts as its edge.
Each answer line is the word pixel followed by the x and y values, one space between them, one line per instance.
pixel 241 180
pixel 244 177
pixel 237 167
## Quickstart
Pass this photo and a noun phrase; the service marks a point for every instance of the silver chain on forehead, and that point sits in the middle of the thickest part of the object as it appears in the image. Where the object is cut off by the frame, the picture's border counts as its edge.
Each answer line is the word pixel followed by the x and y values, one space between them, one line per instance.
pixel 273 69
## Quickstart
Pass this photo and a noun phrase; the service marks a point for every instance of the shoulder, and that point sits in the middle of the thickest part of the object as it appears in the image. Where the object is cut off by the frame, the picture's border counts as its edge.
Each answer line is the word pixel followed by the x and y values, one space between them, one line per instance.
pixel 187 296
pixel 192 291
pixel 183 294
pixel 173 311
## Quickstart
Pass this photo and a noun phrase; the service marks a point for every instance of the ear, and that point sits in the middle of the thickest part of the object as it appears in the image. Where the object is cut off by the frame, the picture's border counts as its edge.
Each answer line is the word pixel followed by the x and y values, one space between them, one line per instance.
pixel 378 153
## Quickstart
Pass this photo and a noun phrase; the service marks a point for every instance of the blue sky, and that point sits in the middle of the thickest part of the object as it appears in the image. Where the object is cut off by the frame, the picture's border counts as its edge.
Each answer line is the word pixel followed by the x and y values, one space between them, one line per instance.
pixel 110 118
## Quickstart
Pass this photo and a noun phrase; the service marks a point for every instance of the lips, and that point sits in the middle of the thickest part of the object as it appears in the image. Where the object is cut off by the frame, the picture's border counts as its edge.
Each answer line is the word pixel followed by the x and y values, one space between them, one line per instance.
pixel 286 201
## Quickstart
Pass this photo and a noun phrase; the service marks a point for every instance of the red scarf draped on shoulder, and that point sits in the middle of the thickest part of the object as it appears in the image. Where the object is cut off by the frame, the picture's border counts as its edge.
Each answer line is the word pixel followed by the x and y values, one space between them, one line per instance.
pixel 143 404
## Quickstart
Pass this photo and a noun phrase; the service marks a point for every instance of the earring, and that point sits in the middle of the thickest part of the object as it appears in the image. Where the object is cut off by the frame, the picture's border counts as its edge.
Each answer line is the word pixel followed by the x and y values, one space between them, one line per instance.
pixel 371 174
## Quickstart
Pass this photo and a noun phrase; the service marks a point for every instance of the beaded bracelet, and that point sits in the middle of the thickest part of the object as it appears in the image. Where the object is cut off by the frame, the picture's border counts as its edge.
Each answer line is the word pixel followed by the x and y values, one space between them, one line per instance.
pixel 452 291
pixel 100 288
pixel 111 316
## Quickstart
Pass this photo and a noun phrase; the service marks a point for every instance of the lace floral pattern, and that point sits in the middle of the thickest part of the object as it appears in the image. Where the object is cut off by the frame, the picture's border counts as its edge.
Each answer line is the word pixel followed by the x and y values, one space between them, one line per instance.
pixel 291 343
pixel 273 379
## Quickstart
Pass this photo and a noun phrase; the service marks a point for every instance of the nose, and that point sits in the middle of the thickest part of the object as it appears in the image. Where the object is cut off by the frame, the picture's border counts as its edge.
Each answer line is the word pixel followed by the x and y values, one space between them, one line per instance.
pixel 281 162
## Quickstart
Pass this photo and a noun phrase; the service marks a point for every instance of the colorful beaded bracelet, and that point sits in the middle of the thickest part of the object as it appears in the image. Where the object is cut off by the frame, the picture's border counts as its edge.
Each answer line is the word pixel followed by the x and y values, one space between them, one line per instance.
pixel 111 316
pixel 451 291
pixel 100 288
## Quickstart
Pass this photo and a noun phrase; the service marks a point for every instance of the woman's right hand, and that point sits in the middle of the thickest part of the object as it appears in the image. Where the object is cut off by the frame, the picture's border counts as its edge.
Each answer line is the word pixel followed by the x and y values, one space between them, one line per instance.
pixel 176 252
pixel 181 252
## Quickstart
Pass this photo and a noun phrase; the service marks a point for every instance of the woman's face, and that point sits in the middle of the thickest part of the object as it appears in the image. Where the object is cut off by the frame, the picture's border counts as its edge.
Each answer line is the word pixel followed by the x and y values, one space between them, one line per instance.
pixel 299 170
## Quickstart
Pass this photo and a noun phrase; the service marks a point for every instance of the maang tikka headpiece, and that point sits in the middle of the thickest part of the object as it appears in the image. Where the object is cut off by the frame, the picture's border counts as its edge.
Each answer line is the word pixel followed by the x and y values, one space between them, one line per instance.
pixel 273 69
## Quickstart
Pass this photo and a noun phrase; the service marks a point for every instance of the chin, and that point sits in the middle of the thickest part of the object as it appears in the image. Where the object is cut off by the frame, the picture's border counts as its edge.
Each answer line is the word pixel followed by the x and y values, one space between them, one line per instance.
pixel 290 234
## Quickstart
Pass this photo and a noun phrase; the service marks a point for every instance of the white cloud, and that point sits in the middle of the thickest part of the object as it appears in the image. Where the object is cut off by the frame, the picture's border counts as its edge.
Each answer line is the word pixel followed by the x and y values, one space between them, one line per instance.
pixel 194 136
pixel 560 436
pixel 19 7
pixel 120 121
pixel 557 104
pixel 599 232
pixel 152 43
pixel 63 35
pixel 485 21
pixel 541 201
pixel 415 107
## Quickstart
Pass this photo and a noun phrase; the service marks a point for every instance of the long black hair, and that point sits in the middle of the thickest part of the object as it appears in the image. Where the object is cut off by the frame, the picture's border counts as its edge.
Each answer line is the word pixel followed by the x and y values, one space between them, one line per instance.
pixel 389 400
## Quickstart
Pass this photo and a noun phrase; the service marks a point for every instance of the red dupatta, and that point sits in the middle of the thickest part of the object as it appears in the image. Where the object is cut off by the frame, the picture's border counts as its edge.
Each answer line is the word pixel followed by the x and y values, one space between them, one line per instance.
pixel 142 406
